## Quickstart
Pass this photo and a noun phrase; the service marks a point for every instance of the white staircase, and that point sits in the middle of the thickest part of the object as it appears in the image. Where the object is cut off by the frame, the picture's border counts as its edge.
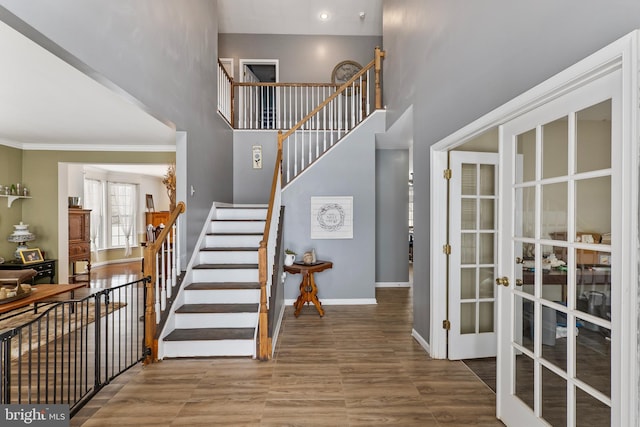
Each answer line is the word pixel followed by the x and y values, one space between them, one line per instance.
pixel 218 315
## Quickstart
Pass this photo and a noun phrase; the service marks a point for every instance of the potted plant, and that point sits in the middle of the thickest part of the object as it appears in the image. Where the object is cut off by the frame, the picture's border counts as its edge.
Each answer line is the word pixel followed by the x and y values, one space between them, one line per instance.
pixel 289 257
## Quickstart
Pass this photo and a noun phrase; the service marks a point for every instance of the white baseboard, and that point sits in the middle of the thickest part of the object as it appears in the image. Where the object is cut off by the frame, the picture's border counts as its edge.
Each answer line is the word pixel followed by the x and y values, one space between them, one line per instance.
pixel 394 284
pixel 115 261
pixel 345 301
pixel 423 343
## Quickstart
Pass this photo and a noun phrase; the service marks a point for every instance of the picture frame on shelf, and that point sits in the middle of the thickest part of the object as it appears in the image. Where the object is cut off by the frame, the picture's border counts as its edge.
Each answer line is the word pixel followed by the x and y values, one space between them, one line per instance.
pixel 30 256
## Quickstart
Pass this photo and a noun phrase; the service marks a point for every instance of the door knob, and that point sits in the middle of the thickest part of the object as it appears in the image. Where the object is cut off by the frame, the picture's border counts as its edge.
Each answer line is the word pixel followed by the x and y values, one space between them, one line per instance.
pixel 519 260
pixel 504 281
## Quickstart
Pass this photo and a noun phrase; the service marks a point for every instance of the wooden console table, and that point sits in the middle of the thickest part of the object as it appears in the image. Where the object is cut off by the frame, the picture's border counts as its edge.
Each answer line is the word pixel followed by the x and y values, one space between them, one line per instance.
pixel 308 288
pixel 38 294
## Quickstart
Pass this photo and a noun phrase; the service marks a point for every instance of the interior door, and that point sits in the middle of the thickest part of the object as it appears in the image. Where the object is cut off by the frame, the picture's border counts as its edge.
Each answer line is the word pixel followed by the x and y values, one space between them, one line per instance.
pixel 473 205
pixel 560 263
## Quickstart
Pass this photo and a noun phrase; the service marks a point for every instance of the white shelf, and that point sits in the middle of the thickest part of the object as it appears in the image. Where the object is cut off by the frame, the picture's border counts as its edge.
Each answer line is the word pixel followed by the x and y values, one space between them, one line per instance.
pixel 11 199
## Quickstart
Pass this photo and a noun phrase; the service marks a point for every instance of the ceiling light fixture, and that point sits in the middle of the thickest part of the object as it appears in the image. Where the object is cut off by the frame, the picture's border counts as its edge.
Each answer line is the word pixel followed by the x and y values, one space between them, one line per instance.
pixel 324 16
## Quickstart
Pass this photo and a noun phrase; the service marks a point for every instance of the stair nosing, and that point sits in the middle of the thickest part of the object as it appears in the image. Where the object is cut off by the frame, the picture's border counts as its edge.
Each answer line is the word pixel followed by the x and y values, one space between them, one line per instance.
pixel 222 233
pixel 250 308
pixel 230 249
pixel 238 220
pixel 226 266
pixel 249 332
pixel 205 286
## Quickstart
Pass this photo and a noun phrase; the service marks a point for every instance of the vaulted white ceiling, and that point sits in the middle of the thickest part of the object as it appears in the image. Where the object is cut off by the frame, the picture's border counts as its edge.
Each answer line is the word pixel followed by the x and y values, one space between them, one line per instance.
pixel 300 17
pixel 45 103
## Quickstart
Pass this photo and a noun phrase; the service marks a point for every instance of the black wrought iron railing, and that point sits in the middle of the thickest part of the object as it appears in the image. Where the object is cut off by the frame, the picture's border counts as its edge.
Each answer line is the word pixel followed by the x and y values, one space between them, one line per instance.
pixel 73 348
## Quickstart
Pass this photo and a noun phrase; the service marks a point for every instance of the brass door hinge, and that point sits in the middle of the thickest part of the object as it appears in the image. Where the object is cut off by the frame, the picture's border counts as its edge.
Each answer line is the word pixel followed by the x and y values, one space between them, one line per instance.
pixel 447 174
pixel 447 249
pixel 446 325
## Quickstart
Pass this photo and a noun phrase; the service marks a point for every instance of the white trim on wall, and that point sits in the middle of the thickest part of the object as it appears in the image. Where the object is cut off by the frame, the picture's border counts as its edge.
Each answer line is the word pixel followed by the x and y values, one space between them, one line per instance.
pixel 394 284
pixel 340 301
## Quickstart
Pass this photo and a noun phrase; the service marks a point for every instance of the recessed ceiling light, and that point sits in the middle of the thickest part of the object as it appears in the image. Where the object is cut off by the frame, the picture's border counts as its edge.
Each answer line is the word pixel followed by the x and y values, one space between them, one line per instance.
pixel 324 16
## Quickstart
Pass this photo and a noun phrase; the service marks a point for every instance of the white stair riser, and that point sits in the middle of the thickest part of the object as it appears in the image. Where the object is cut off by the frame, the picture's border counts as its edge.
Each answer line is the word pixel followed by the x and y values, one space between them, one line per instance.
pixel 243 213
pixel 214 241
pixel 222 296
pixel 228 257
pixel 209 348
pixel 225 275
pixel 216 320
pixel 236 227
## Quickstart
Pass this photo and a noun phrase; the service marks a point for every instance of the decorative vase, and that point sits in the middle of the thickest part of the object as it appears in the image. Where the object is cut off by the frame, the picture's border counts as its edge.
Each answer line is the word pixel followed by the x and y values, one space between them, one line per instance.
pixel 289 259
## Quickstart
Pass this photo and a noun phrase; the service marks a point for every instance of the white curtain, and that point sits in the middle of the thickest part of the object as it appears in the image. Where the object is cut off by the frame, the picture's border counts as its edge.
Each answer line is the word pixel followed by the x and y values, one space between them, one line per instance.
pixel 123 210
pixel 93 200
pixel 126 211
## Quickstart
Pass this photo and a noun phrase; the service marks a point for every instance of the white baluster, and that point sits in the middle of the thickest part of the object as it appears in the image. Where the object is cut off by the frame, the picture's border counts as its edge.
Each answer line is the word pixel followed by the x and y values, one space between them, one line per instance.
pixel 157 305
pixel 163 281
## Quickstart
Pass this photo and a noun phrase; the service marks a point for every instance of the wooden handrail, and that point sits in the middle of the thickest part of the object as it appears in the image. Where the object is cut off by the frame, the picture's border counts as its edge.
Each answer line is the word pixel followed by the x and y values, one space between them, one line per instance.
pixel 224 70
pixel 272 84
pixel 150 253
pixel 324 103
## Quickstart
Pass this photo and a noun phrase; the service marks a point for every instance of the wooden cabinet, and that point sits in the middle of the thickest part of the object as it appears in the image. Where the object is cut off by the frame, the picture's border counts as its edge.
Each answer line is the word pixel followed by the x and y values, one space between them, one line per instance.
pixel 156 218
pixel 79 241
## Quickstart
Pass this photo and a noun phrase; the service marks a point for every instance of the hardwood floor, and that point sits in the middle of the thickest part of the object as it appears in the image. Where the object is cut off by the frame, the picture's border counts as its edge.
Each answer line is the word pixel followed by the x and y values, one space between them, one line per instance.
pixel 357 366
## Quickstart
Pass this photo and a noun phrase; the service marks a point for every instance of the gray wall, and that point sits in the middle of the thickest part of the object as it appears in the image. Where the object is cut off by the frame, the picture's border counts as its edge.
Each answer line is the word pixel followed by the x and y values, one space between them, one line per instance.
pixel 455 60
pixel 392 216
pixel 163 53
pixel 337 174
pixel 253 185
pixel 301 58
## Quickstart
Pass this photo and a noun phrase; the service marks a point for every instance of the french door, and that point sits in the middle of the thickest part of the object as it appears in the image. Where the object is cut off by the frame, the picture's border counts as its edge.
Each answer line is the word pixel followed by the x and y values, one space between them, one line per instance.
pixel 560 262
pixel 473 205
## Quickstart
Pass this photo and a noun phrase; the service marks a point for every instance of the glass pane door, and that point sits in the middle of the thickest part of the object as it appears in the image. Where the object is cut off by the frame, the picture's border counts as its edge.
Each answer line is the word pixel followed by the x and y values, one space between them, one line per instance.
pixel 473 209
pixel 559 260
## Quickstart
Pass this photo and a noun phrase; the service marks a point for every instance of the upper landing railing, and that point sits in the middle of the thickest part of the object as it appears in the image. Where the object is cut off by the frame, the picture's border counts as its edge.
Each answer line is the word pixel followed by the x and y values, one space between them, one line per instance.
pixel 275 106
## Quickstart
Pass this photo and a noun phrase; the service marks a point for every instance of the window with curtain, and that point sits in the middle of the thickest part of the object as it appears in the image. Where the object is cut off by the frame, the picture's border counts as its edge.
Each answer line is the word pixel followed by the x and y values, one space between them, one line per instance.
pixel 94 200
pixel 122 213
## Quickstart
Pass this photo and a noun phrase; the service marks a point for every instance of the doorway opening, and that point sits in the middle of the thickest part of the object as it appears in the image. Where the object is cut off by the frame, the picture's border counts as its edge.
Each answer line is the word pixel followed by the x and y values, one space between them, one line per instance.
pixel 258 105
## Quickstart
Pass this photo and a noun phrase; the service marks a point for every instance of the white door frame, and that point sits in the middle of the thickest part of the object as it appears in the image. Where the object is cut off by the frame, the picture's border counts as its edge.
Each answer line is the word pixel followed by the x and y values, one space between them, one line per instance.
pixel 242 62
pixel 622 54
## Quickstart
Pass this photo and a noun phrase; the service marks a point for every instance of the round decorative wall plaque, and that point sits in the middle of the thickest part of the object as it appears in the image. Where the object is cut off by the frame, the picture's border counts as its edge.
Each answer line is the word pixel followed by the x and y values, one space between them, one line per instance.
pixel 344 71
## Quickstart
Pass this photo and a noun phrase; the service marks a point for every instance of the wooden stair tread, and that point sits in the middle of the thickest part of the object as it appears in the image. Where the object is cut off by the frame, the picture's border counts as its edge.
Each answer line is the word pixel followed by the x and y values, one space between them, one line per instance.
pixel 233 233
pixel 210 334
pixel 204 286
pixel 234 249
pixel 218 308
pixel 225 266
pixel 238 220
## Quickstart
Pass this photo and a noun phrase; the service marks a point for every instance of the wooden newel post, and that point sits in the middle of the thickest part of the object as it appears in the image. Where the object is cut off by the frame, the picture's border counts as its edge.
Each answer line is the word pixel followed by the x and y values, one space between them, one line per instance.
pixel 149 309
pixel 378 68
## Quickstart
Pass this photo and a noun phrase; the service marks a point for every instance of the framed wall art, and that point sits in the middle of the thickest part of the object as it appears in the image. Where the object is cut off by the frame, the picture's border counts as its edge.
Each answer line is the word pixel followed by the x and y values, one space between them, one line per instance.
pixel 332 217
